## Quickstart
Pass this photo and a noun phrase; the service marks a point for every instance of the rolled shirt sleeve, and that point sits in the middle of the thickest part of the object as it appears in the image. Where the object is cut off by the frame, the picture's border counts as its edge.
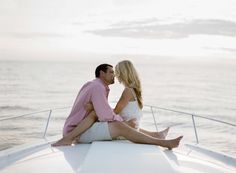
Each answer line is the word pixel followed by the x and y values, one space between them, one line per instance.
pixel 102 108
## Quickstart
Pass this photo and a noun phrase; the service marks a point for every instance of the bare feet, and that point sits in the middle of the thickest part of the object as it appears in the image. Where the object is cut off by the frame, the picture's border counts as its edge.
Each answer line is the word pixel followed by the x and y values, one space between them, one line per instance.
pixel 162 134
pixel 62 142
pixel 172 143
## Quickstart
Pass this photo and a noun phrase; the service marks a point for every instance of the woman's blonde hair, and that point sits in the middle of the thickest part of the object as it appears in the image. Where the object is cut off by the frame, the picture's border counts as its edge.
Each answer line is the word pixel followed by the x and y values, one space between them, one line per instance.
pixel 128 75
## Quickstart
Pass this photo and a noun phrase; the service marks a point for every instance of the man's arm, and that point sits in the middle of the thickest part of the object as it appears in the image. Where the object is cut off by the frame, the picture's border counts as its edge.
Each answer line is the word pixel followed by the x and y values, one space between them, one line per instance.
pixel 101 106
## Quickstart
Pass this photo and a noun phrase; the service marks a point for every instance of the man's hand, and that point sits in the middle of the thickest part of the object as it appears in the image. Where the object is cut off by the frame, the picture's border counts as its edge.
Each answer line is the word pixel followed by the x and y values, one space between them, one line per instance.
pixel 88 107
pixel 132 123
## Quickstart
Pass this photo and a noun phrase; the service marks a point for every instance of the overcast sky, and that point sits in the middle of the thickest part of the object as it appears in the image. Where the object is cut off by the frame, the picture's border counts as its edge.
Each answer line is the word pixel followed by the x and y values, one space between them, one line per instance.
pixel 69 29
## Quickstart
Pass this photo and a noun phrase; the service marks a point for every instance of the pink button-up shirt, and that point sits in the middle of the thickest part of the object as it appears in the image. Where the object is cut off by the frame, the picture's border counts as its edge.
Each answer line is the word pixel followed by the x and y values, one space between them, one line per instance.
pixel 95 92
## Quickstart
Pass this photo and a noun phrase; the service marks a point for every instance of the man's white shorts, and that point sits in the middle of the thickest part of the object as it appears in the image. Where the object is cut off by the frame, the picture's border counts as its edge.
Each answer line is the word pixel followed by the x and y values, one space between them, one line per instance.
pixel 98 132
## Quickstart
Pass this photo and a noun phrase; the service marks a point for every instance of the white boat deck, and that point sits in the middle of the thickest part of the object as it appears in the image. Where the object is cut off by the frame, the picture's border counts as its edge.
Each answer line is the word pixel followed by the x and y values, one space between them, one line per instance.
pixel 43 159
pixel 121 156
pixel 117 157
pixel 104 157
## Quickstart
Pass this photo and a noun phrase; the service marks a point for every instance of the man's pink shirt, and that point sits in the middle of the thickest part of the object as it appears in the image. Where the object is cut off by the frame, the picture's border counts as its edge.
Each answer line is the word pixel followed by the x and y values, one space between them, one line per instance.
pixel 95 92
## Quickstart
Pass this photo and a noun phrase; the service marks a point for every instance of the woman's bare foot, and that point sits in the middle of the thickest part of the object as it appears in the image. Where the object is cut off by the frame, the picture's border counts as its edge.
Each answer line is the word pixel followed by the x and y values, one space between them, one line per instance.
pixel 162 134
pixel 62 142
pixel 172 143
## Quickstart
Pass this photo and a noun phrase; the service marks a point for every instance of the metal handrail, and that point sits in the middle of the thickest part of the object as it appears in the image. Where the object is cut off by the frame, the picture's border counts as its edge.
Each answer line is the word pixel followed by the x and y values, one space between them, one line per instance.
pixel 13 117
pixel 191 114
pixel 153 115
pixel 46 128
pixel 154 119
pixel 32 113
pixel 48 119
pixel 195 129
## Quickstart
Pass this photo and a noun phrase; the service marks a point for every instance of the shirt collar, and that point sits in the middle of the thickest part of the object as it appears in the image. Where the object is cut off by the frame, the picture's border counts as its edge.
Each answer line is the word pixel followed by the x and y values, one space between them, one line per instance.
pixel 101 81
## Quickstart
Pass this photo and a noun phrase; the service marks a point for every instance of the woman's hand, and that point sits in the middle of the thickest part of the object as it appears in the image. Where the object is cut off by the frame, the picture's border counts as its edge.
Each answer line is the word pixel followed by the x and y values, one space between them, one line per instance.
pixel 88 107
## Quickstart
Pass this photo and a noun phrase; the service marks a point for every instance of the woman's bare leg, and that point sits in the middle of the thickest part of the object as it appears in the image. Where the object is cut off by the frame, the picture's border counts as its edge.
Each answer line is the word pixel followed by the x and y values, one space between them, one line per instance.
pixel 121 129
pixel 80 128
pixel 161 135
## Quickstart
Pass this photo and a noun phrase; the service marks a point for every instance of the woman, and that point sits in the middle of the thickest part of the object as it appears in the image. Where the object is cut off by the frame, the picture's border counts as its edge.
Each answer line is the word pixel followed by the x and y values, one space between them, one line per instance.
pixel 130 103
pixel 129 107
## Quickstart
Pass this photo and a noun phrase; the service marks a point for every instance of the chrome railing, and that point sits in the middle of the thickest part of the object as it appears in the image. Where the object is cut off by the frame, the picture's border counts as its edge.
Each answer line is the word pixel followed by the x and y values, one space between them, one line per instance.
pixel 193 116
pixel 37 112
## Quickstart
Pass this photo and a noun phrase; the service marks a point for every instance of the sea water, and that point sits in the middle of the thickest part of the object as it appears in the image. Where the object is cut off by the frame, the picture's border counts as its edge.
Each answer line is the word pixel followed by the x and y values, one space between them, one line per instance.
pixel 205 87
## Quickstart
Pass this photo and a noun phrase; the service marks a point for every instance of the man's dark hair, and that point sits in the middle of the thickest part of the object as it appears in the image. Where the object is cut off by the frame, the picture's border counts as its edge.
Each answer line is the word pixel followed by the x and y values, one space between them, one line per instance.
pixel 102 67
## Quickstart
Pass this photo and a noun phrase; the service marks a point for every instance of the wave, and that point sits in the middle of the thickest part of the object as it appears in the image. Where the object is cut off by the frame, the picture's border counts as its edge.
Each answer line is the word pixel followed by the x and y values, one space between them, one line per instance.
pixel 16 107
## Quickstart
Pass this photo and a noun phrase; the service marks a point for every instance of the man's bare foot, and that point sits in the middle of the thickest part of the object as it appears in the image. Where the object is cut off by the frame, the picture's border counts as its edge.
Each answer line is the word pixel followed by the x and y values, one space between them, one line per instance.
pixel 172 143
pixel 62 142
pixel 162 134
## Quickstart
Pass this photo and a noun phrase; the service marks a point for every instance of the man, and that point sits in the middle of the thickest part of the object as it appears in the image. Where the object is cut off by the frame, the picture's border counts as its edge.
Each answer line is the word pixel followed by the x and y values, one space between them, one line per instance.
pixel 110 125
pixel 95 92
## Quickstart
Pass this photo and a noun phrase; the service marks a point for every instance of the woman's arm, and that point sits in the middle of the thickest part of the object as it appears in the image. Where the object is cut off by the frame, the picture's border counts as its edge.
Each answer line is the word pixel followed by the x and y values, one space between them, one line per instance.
pixel 126 96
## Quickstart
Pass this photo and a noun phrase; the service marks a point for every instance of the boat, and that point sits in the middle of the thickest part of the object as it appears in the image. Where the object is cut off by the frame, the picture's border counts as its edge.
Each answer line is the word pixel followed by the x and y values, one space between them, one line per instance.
pixel 121 156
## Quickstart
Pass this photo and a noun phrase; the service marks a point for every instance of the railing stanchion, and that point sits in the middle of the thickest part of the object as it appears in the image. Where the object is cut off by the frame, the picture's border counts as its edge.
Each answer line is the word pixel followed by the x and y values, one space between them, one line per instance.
pixel 195 130
pixel 154 118
pixel 46 128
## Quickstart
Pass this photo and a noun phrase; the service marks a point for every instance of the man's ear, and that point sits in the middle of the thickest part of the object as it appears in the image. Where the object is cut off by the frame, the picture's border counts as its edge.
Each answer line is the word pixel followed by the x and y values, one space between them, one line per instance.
pixel 101 73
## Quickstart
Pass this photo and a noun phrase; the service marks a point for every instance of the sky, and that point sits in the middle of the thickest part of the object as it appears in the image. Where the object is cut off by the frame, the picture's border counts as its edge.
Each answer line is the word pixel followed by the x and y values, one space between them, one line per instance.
pixel 74 29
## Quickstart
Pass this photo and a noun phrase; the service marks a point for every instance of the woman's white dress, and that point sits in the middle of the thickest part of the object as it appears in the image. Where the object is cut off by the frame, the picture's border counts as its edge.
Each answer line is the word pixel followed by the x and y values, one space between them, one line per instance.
pixel 132 110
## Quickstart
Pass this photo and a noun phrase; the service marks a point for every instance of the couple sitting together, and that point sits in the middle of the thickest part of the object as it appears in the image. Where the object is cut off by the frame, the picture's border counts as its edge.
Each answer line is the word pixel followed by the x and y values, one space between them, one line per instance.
pixel 92 119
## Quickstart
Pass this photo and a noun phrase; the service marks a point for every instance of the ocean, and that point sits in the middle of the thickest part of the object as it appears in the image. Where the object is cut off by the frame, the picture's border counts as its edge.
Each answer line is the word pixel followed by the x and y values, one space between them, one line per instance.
pixel 205 87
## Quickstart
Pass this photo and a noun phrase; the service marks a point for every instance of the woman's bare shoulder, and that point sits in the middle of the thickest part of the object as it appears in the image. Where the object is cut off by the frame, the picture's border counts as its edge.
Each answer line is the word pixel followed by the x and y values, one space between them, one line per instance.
pixel 127 92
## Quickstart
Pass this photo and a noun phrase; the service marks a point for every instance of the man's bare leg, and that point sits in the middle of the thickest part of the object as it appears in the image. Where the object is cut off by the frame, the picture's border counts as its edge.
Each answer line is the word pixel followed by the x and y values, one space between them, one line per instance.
pixel 161 134
pixel 121 129
pixel 80 128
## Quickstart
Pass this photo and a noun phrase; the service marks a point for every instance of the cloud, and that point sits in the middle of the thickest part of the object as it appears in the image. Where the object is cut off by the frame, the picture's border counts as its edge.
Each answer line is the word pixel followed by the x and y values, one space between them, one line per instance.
pixel 232 50
pixel 30 35
pixel 228 49
pixel 154 29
